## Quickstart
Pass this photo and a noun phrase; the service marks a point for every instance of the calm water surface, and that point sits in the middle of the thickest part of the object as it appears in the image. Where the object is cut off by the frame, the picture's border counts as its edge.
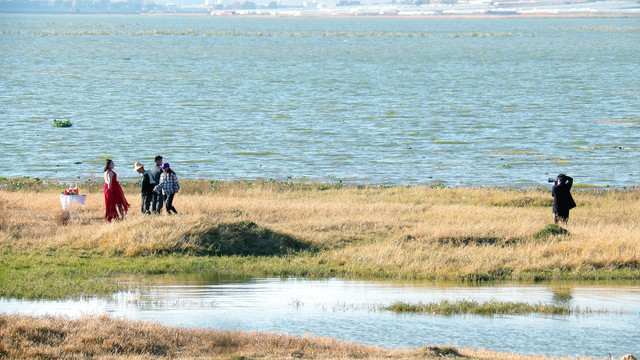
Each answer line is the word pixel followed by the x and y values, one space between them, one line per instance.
pixel 464 102
pixel 349 310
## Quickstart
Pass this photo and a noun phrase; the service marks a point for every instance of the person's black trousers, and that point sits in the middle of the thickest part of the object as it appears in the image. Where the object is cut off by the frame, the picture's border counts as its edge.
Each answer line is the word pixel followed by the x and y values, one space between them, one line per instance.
pixel 145 204
pixel 562 217
pixel 168 203
pixel 156 203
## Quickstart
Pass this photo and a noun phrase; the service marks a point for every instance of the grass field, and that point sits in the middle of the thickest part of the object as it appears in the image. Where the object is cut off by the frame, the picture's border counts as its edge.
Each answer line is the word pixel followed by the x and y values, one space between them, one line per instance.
pixel 286 229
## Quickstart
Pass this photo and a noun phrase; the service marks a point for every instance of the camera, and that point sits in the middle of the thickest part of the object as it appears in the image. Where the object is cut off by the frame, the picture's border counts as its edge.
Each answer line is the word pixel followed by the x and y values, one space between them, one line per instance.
pixel 551 180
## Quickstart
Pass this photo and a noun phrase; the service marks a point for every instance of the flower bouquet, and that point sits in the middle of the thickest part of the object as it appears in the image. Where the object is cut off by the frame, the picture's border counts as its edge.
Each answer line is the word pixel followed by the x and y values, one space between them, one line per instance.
pixel 72 191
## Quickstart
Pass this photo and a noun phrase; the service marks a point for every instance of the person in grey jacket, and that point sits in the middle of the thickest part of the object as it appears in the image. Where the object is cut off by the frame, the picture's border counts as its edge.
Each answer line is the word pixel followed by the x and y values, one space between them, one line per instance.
pixel 157 199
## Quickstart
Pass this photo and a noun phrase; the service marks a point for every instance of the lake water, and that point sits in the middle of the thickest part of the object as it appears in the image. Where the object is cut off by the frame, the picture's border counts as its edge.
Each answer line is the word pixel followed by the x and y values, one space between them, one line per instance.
pixel 406 101
pixel 350 311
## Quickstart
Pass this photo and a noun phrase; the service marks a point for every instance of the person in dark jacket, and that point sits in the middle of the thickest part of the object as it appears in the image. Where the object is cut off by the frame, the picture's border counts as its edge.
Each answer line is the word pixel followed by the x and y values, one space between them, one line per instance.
pixel 157 200
pixel 146 188
pixel 562 199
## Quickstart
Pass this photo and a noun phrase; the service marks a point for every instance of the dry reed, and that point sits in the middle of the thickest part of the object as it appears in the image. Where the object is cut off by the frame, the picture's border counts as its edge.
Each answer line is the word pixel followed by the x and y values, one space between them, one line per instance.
pixel 49 337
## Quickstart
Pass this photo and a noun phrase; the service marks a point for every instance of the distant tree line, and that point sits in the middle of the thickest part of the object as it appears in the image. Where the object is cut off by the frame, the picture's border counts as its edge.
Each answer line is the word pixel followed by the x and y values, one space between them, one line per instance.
pixel 71 6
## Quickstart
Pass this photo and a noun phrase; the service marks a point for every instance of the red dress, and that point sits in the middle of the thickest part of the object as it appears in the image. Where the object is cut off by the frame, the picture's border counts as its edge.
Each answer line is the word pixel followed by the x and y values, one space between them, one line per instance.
pixel 113 197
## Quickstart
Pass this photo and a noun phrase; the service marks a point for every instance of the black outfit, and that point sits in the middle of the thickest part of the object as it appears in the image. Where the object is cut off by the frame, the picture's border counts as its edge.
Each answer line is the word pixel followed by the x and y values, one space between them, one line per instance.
pixel 156 199
pixel 168 199
pixel 147 193
pixel 562 199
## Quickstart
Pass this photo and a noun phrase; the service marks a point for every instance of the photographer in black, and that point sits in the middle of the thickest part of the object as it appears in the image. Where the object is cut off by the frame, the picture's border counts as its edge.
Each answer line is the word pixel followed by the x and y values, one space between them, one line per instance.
pixel 562 199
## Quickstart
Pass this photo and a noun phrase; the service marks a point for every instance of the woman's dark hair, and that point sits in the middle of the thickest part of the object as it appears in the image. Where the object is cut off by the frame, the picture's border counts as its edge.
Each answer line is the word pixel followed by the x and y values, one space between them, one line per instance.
pixel 106 165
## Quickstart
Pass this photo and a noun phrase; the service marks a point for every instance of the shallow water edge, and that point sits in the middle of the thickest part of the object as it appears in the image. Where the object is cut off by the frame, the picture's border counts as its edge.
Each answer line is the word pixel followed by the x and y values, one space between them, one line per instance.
pixel 351 311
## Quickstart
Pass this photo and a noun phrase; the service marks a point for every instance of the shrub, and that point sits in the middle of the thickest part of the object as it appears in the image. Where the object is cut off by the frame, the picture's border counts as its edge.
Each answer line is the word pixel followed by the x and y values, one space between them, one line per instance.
pixel 62 123
pixel 246 238
pixel 550 230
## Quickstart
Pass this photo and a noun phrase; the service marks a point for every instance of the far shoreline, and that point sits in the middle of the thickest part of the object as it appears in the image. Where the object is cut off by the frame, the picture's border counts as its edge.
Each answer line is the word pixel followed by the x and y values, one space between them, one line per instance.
pixel 577 15
pixel 12 184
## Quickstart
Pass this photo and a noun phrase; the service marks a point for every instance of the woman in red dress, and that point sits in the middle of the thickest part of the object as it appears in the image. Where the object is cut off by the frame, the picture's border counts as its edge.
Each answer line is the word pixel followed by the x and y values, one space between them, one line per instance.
pixel 113 195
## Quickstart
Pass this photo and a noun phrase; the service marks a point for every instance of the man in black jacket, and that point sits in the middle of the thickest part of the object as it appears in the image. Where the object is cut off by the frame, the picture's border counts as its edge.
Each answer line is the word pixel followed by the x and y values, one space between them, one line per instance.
pixel 562 199
pixel 146 187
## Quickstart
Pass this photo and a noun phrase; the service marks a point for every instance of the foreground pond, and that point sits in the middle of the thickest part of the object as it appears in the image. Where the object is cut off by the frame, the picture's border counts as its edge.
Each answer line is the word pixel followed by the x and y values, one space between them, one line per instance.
pixel 350 311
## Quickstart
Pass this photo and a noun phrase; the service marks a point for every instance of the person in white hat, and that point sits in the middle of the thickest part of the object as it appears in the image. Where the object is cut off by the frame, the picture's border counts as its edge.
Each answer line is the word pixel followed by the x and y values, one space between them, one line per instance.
pixel 146 187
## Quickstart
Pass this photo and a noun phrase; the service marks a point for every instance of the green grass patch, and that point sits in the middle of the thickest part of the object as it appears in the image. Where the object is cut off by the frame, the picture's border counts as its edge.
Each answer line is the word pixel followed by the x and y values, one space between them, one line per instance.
pixel 62 123
pixel 42 274
pixel 58 274
pixel 549 231
pixel 187 186
pixel 61 275
pixel 247 238
pixel 446 307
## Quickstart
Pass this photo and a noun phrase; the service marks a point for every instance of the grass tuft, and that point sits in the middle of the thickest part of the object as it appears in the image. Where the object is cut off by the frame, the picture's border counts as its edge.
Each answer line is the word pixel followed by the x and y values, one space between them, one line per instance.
pixel 62 217
pixel 488 308
pixel 247 238
pixel 477 241
pixel 62 123
pixel 549 231
pixel 443 351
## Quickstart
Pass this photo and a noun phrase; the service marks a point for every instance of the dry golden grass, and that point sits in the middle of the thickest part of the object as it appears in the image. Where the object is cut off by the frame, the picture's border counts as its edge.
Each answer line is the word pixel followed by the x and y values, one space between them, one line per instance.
pixel 29 337
pixel 395 232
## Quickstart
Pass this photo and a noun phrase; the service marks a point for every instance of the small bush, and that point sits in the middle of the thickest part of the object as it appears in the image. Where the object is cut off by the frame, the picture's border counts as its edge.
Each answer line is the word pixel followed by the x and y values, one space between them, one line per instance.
pixel 442 351
pixel 62 123
pixel 246 238
pixel 62 218
pixel 550 230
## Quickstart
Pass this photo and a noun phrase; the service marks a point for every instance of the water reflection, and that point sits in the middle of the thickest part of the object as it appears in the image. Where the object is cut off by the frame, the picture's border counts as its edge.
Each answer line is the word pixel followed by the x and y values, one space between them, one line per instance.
pixel 350 310
pixel 561 294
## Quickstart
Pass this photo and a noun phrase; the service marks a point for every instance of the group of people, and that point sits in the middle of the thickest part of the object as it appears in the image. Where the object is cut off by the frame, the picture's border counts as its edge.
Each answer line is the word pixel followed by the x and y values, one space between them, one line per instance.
pixel 160 184
pixel 158 188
